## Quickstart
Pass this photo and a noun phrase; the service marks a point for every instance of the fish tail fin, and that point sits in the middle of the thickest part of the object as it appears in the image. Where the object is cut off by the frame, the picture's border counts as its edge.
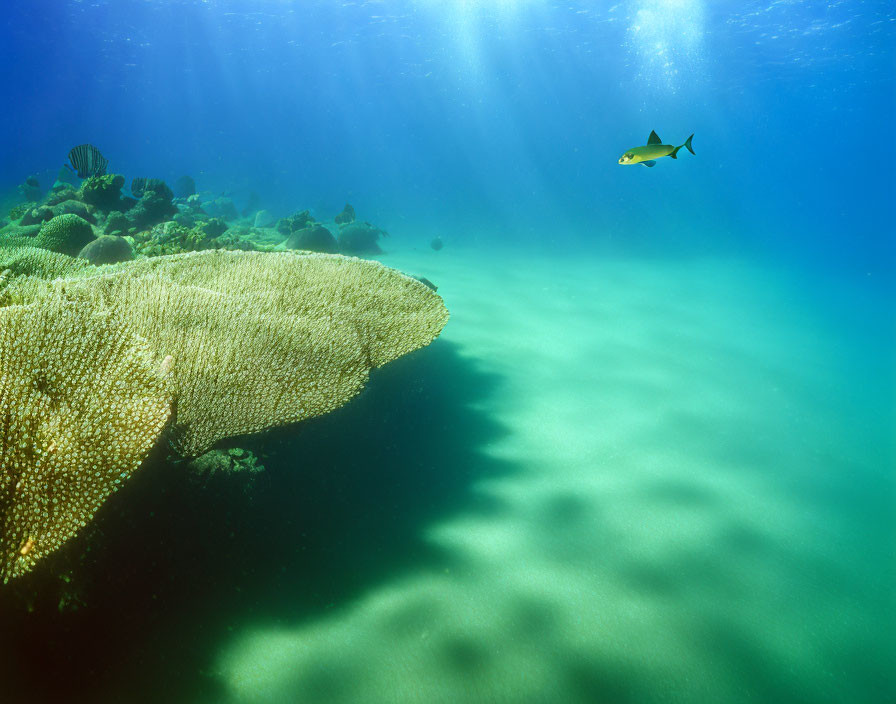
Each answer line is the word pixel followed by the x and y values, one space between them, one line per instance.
pixel 687 144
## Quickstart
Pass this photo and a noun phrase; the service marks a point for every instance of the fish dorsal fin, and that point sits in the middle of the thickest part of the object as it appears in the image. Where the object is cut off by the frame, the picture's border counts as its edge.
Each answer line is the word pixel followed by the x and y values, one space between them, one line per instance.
pixel 654 139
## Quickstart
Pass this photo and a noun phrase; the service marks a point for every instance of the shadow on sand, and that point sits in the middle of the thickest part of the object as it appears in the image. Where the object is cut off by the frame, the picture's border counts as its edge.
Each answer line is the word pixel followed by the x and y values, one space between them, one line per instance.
pixel 341 507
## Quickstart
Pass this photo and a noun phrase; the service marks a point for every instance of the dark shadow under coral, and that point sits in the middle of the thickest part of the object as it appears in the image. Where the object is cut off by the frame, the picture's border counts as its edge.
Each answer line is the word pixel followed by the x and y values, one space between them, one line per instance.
pixel 173 567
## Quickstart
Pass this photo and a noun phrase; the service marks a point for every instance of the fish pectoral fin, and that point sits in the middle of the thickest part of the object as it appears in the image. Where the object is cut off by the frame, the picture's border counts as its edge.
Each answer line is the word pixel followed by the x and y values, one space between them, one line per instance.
pixel 654 138
pixel 649 163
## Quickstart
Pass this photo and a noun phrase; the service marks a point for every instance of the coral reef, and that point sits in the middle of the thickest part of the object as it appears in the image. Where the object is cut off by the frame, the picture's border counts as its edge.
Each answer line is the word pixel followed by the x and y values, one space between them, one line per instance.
pixel 108 249
pixel 213 228
pixel 91 357
pixel 359 238
pixel 314 238
pixel 103 192
pixel 171 238
pixel 140 185
pixel 83 402
pixel 62 193
pixel 36 262
pixel 299 221
pixel 259 339
pixel 66 234
pixel 13 233
pixel 17 211
pixel 116 222
pixel 74 207
pixel 35 216
pixel 154 206
pixel 225 465
pixel 42 213
pixel 185 219
pixel 346 216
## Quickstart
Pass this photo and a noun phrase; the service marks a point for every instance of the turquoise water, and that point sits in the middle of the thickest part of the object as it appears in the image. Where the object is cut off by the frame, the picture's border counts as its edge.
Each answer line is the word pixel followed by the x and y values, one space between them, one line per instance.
pixel 651 456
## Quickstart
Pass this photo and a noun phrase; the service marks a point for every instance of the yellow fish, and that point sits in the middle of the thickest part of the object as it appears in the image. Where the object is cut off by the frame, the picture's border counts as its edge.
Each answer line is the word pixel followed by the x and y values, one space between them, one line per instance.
pixel 652 151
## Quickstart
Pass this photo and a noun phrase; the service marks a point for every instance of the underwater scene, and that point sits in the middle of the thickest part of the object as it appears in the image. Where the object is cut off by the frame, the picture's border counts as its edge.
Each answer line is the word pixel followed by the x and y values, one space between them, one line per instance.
pixel 448 351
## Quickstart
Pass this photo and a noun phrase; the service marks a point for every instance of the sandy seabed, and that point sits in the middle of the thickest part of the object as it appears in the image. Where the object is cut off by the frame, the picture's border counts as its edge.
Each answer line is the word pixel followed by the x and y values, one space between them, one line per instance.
pixel 696 500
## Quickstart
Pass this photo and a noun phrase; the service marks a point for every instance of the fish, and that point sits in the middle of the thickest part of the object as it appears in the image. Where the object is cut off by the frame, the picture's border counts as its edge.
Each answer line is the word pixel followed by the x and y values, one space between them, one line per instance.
pixel 653 150
pixel 87 161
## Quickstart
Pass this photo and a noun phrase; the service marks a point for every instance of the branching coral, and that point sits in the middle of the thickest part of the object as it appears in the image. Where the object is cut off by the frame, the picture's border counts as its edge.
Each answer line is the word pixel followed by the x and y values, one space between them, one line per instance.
pixel 40 263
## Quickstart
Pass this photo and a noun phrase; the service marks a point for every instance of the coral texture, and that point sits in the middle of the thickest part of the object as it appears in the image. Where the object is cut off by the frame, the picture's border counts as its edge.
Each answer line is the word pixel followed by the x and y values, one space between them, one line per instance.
pixel 36 262
pixel 81 403
pixel 108 249
pixel 66 234
pixel 104 192
pixel 260 339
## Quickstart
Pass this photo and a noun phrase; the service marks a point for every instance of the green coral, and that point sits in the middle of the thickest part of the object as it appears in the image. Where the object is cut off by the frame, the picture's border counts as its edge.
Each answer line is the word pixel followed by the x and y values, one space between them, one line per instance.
pixel 295 222
pixel 213 228
pixel 315 238
pixel 91 366
pixel 66 234
pixel 18 211
pixel 154 206
pixel 360 238
pixel 31 261
pixel 235 464
pixel 20 262
pixel 104 192
pixel 171 238
pixel 35 216
pixel 18 232
pixel 108 249
pixel 116 222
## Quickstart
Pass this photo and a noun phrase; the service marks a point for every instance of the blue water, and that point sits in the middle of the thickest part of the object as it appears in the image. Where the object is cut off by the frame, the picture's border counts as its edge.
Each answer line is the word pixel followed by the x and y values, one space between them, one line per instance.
pixel 450 114
pixel 497 125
